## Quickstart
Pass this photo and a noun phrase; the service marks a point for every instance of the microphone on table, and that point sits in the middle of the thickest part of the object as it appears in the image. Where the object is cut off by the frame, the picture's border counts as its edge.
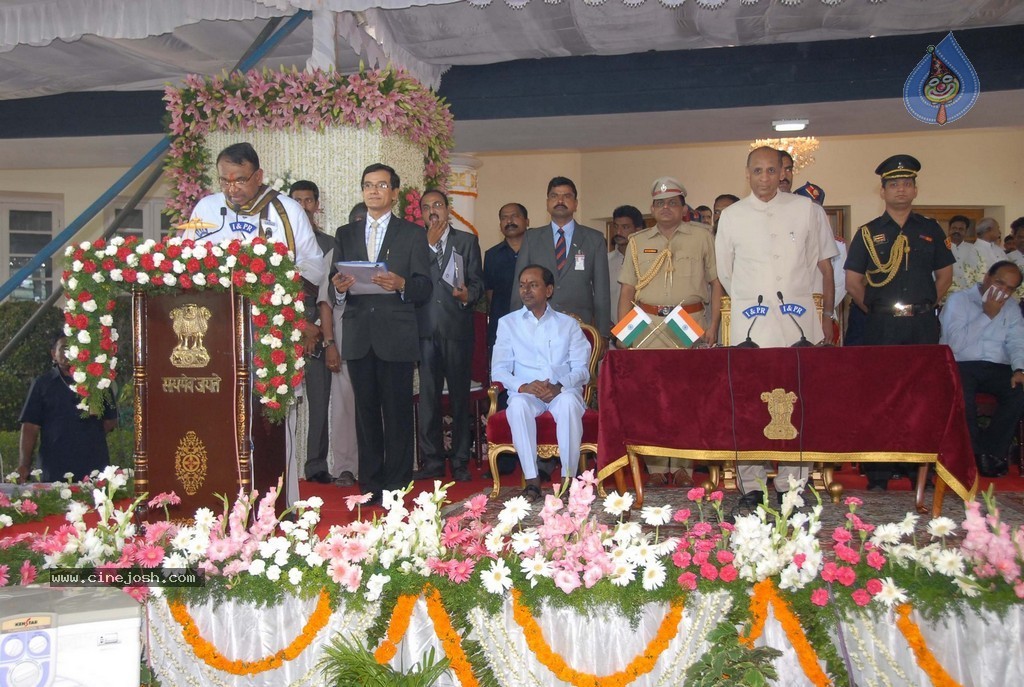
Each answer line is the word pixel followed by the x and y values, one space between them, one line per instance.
pixel 749 343
pixel 803 339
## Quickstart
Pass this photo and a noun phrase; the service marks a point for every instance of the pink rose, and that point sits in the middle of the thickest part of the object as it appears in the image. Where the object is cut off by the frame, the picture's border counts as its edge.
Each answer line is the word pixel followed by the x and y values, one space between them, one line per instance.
pixel 819 597
pixel 873 586
pixel 861 597
pixel 846 576
pixel 728 573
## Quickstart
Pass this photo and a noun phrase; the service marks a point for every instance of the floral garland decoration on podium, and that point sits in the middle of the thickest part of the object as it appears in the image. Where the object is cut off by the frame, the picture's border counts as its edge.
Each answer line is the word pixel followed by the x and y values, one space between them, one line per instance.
pixel 262 272
pixel 277 100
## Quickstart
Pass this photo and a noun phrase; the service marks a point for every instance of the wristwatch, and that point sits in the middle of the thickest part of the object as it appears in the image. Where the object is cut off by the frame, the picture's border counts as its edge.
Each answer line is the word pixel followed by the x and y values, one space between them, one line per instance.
pixel 327 342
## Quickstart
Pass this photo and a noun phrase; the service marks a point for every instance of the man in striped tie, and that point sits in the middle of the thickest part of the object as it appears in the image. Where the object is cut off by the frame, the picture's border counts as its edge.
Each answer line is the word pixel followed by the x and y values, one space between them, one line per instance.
pixel 575 254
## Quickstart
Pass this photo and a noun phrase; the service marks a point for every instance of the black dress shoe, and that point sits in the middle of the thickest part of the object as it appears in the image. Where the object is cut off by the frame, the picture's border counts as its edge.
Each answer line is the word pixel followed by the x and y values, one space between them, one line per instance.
pixel 882 485
pixel 461 474
pixel 429 473
pixel 992 466
pixel 752 499
pixel 345 479
pixel 322 477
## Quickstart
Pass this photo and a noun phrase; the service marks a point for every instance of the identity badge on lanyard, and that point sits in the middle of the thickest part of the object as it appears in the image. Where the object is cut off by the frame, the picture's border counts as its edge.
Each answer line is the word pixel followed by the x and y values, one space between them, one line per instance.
pixel 580 262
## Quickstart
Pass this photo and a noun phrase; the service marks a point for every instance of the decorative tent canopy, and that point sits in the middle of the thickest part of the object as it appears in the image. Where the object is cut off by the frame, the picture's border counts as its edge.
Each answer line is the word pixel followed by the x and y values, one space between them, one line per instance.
pixel 57 46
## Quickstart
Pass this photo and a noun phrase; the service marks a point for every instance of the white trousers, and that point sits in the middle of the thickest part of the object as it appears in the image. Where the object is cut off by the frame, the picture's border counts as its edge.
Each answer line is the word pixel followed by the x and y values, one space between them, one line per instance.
pixel 566 408
pixel 754 476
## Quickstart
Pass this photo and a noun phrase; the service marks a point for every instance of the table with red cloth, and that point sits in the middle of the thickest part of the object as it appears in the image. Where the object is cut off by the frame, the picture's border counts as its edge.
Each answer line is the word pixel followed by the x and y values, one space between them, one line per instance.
pixel 861 404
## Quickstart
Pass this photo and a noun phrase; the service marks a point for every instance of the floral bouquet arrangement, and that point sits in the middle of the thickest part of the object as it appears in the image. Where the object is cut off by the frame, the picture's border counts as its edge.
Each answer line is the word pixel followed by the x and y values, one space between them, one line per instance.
pixel 409 205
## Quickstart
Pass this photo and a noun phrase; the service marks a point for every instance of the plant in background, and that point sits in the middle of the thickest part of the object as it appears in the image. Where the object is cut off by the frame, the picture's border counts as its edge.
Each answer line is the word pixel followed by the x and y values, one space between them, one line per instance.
pixel 348 662
pixel 731 663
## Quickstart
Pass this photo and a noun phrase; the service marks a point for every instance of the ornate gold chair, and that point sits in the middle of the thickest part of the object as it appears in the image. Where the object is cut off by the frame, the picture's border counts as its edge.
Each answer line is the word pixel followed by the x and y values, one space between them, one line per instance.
pixel 499 434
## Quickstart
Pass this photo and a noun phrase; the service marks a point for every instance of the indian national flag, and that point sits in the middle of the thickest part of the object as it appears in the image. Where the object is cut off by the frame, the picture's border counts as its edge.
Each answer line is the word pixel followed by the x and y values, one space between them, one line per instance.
pixel 631 326
pixel 682 324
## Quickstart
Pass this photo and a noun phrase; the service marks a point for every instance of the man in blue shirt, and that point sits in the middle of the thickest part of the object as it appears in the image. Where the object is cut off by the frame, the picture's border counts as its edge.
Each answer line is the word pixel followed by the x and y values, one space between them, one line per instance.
pixel 500 265
pixel 70 443
pixel 984 327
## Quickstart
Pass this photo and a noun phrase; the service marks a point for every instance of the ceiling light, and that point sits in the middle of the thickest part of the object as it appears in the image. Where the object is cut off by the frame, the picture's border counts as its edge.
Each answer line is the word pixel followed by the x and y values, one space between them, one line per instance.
pixel 790 124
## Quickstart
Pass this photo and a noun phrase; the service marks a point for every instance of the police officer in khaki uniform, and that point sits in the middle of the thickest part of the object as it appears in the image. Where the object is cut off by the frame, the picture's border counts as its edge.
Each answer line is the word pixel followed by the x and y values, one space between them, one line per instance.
pixel 671 263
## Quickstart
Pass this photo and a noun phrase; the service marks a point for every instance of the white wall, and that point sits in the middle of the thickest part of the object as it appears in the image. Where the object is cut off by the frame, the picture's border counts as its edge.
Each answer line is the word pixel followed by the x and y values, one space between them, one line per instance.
pixel 960 168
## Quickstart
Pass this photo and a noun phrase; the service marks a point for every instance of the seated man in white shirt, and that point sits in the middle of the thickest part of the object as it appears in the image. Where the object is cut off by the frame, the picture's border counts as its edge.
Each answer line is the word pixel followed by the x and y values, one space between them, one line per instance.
pixel 540 356
pixel 984 327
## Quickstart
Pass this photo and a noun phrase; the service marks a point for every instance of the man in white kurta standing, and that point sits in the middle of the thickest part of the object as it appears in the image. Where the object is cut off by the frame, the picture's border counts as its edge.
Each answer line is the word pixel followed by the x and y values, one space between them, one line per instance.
pixel 540 356
pixel 247 208
pixel 769 246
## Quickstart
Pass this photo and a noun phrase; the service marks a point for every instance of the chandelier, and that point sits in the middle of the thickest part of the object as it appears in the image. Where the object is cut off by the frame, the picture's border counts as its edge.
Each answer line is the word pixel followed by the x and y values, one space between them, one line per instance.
pixel 801 148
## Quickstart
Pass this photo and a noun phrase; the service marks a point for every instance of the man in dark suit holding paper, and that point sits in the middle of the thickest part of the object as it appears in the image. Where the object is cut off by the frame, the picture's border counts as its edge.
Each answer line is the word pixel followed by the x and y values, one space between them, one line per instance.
pixel 575 254
pixel 380 341
pixel 446 339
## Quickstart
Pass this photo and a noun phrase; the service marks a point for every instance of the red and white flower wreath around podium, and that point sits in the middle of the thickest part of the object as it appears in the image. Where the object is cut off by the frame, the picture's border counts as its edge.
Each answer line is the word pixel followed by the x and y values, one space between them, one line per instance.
pixel 261 271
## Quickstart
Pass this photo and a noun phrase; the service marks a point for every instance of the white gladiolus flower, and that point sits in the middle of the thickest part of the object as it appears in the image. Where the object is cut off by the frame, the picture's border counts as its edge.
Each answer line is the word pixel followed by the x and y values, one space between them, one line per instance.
pixel 375 586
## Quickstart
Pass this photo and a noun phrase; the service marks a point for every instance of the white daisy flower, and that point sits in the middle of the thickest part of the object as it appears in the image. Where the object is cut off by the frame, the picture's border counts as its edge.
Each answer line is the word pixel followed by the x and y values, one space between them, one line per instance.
pixel 496 579
pixel 656 516
pixel 654 576
pixel 941 527
pixel 535 568
pixel 623 573
pixel 617 504
pixel 514 511
pixel 890 595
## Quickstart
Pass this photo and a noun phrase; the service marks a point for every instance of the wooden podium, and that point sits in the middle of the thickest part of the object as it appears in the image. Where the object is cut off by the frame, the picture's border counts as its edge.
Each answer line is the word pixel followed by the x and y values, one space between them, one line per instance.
pixel 199 431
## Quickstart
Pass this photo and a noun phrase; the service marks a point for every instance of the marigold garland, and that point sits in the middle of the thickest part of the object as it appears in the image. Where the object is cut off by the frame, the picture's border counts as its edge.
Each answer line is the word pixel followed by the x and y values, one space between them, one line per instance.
pixel 204 650
pixel 640 665
pixel 765 592
pixel 397 628
pixel 925 658
pixel 450 639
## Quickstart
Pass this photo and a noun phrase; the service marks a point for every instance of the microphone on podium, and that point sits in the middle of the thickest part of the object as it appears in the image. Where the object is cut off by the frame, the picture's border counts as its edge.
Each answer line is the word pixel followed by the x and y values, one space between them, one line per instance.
pixel 803 342
pixel 749 343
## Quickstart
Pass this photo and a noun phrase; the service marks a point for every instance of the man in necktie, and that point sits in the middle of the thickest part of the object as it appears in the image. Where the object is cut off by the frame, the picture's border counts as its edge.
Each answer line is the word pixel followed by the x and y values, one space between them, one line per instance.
pixel 446 340
pixel 575 254
pixel 380 341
